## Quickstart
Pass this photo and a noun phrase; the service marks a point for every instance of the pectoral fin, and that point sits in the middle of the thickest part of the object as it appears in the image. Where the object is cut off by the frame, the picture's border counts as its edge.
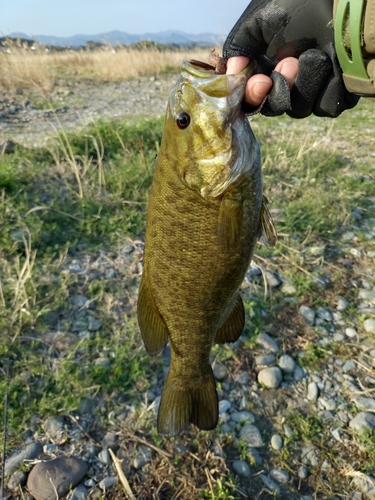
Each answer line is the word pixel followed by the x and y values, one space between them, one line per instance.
pixel 234 323
pixel 153 329
pixel 267 230
pixel 230 220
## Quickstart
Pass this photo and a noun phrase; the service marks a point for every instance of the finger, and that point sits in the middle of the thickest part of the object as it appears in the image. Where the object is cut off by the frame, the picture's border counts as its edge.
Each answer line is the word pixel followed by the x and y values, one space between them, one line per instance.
pixel 236 64
pixel 288 68
pixel 257 88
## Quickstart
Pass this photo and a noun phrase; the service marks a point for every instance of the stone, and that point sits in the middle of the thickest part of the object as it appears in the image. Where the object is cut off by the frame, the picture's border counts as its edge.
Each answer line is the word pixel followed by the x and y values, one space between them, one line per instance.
pixel 220 371
pixel 312 392
pixel 242 468
pixel 107 482
pixel 348 366
pixel 58 475
pixel 273 279
pixel 105 457
pixel 265 360
pixel 29 452
pixel 241 417
pixel 17 479
pixel 79 493
pixel 242 378
pixel 286 363
pixel 110 439
pixel 338 337
pixel 367 295
pixel 369 325
pixel 365 403
pixel 310 455
pixel 50 448
pixel 363 421
pixel 329 404
pixel 79 301
pixel 342 304
pixel 270 377
pixel 279 475
pixel 269 484
pixel 225 429
pixel 303 472
pixel 277 442
pixel 325 314
pixel 267 343
pixel 94 324
pixel 224 406
pixel 308 314
pixel 253 456
pixel 250 434
pixel 288 289
pixel 62 341
pixel 298 374
pixel 54 427
pixel 142 457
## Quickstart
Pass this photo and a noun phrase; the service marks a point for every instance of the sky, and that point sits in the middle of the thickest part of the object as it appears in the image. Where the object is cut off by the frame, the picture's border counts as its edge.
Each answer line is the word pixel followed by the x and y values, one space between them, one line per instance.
pixel 90 17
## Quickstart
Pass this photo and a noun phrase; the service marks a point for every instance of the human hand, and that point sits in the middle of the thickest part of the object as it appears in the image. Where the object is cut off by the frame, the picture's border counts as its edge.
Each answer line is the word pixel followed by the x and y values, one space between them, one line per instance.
pixel 277 32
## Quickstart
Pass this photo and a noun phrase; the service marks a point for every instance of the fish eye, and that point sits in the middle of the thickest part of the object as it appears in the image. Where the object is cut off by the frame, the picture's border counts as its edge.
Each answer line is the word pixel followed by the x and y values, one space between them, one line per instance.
pixel 183 120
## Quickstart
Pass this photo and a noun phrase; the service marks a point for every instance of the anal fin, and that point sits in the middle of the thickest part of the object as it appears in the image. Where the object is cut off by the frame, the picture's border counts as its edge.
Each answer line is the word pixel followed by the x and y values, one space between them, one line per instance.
pixel 153 329
pixel 267 230
pixel 234 323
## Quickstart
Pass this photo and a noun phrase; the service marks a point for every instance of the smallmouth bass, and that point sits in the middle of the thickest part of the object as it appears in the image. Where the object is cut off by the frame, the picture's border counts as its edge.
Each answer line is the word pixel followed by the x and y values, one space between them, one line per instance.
pixel 205 213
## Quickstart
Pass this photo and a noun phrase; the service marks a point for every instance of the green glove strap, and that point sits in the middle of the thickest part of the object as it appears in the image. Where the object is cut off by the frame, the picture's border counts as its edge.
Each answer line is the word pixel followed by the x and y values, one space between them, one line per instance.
pixel 353 65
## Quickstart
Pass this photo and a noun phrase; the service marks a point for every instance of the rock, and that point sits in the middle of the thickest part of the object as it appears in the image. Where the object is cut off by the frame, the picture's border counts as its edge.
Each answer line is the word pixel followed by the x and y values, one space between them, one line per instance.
pixel 342 304
pixel 224 406
pixel 79 493
pixel 225 429
pixel 363 421
pixel 303 472
pixel 269 484
pixel 366 484
pixel 104 457
pixel 50 448
pixel 251 435
pixel 369 325
pixel 242 468
pixel 220 371
pixel 287 363
pixel 94 324
pixel 254 457
pixel 54 427
pixel 29 452
pixel 338 337
pixel 103 363
pixel 79 301
pixel 273 279
pixel 310 455
pixel 279 475
pixel 308 314
pixel 351 332
pixel 365 403
pixel 58 475
pixel 270 377
pixel 325 314
pixel 329 404
pixel 288 289
pixel 62 341
pixel 241 417
pixel 242 378
pixel 110 439
pixel 265 360
pixel 348 366
pixel 277 442
pixel 107 482
pixel 312 392
pixel 142 457
pixel 267 343
pixel 367 295
pixel 17 479
pixel 298 374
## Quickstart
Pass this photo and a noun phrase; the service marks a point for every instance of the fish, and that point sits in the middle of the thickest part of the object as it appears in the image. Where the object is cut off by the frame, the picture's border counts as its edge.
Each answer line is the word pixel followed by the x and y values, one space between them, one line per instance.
pixel 206 211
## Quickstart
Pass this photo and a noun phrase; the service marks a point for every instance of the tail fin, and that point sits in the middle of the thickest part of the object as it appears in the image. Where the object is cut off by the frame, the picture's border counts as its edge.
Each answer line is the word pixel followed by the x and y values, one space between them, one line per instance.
pixel 180 406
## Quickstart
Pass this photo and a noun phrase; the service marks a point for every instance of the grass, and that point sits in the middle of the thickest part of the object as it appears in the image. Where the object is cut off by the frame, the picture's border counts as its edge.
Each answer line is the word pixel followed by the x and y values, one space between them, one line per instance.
pixel 69 213
pixel 26 69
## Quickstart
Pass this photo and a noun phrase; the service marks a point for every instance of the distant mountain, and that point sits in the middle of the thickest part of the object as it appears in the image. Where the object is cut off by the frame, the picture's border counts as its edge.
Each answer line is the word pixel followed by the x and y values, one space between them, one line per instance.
pixel 120 37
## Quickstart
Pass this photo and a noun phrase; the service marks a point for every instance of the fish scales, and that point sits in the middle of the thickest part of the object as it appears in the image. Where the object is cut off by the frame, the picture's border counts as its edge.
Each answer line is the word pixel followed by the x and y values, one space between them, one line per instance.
pixel 198 245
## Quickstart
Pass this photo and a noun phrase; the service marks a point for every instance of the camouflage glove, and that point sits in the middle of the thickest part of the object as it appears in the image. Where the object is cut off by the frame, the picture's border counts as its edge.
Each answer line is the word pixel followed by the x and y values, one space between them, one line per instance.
pixel 269 31
pixel 355 44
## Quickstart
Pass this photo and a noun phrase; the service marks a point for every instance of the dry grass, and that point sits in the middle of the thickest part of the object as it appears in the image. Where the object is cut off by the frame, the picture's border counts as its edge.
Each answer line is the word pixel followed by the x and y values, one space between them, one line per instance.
pixel 27 69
